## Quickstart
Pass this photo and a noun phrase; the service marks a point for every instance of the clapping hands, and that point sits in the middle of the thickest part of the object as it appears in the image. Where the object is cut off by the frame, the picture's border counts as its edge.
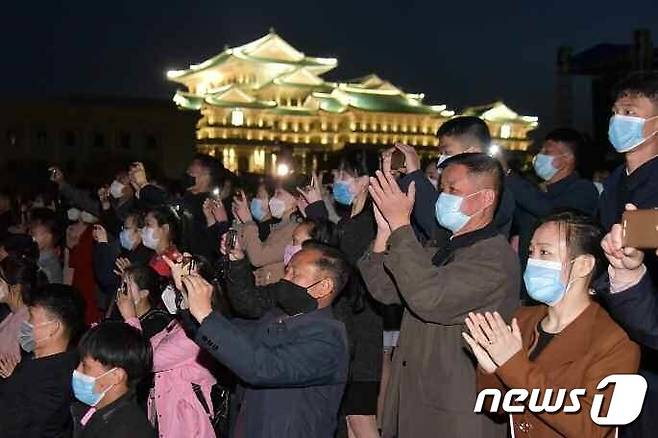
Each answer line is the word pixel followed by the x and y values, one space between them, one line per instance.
pixel 492 341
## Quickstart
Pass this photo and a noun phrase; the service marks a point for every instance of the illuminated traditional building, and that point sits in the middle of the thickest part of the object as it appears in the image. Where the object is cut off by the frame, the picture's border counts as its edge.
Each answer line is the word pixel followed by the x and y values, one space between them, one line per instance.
pixel 265 99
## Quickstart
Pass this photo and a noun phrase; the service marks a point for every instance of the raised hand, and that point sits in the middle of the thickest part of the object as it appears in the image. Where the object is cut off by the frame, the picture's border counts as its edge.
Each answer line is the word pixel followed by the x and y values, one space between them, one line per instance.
pixel 199 296
pixel 8 363
pixel 177 269
pixel 313 192
pixel 56 175
pixel 125 303
pixel 411 159
pixel 383 231
pixel 621 258
pixel 241 207
pixel 394 205
pixel 99 234
pixel 236 253
pixel 491 333
pixel 121 265
pixel 137 174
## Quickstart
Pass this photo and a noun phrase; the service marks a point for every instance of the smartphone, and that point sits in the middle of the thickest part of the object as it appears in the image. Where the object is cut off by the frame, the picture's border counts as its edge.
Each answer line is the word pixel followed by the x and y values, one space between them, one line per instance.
pixel 215 193
pixel 231 239
pixel 640 229
pixel 397 160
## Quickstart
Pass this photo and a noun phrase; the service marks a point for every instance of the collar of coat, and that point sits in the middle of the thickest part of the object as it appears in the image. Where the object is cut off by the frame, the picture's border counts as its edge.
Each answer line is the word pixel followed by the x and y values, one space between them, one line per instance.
pixel 566 346
pixel 442 256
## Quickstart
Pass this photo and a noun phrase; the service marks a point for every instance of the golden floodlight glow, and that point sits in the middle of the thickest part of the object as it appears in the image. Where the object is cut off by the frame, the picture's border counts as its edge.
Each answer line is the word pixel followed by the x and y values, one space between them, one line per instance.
pixel 282 169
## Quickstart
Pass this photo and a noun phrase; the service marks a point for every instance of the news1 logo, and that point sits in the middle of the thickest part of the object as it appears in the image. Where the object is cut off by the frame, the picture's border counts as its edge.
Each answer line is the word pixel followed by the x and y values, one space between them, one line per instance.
pixel 625 403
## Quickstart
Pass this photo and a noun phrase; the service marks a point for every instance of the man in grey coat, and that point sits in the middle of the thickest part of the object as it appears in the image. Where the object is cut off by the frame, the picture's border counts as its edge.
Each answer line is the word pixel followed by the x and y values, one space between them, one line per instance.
pixel 432 390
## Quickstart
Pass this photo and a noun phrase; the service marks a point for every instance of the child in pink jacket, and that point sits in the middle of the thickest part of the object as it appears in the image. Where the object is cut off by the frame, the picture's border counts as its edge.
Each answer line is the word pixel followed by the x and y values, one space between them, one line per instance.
pixel 178 363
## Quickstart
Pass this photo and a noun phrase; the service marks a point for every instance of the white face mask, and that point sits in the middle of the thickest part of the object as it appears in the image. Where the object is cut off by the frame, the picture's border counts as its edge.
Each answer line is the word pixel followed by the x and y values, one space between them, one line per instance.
pixel 73 214
pixel 277 207
pixel 88 218
pixel 148 238
pixel 116 189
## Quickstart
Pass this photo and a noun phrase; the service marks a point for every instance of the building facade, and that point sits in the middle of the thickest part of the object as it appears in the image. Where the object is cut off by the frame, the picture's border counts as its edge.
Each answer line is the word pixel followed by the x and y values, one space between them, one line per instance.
pixel 91 137
pixel 266 102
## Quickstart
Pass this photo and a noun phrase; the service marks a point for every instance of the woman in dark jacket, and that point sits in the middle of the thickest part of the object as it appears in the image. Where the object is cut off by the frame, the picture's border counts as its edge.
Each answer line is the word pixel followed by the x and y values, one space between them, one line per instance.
pixel 355 307
pixel 127 250
pixel 354 233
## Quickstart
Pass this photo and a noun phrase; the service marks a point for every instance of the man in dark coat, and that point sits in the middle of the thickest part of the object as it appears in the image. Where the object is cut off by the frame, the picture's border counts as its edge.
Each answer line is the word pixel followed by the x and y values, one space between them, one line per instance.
pixel 634 132
pixel 432 391
pixel 35 398
pixel 293 363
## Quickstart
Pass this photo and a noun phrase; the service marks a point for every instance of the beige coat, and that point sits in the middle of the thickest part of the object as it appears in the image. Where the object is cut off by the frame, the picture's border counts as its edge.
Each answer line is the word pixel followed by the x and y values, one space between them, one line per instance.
pixel 267 256
pixel 432 390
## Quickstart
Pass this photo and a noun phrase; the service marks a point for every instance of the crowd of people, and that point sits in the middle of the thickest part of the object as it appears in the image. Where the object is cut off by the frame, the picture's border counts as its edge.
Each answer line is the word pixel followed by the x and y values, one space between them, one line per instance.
pixel 358 303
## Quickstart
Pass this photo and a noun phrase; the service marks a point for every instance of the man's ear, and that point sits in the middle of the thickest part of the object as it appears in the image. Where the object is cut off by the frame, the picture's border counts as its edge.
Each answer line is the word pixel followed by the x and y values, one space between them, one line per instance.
pixel 323 289
pixel 489 197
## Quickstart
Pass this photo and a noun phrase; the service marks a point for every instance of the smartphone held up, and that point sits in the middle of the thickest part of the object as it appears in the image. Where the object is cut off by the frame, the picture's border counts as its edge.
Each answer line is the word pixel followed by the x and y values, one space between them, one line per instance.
pixel 640 229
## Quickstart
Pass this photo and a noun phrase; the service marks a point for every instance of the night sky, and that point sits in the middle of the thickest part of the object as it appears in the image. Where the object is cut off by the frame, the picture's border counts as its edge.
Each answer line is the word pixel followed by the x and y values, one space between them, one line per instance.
pixel 457 52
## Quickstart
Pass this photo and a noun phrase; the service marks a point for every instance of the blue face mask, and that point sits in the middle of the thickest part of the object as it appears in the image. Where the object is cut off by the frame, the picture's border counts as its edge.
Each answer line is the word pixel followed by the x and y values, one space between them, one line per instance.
pixel 627 132
pixel 127 242
pixel 448 211
pixel 84 388
pixel 543 280
pixel 544 167
pixel 342 193
pixel 257 209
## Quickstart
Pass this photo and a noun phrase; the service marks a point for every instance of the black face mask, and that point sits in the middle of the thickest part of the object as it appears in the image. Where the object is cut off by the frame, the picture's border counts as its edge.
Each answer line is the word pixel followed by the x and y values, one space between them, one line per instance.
pixel 188 180
pixel 294 299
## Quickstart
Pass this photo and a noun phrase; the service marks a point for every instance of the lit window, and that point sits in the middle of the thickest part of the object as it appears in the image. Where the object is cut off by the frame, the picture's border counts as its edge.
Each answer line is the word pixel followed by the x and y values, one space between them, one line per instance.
pixel 237 117
pixel 505 131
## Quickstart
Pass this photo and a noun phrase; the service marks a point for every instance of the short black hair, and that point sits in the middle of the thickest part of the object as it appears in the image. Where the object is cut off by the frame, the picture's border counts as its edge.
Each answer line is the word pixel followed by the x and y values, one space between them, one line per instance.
pixel 49 220
pixel 644 83
pixel 164 215
pixel 480 164
pixel 22 271
pixel 332 261
pixel 571 138
pixel 138 217
pixel 21 245
pixel 473 128
pixel 291 182
pixel 356 165
pixel 582 234
pixel 117 344
pixel 214 167
pixel 320 231
pixel 65 303
pixel 146 279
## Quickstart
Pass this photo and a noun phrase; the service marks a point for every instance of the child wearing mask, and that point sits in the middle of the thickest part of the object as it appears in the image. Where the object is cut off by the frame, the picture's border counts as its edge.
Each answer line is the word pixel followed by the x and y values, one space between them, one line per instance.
pixel 114 357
